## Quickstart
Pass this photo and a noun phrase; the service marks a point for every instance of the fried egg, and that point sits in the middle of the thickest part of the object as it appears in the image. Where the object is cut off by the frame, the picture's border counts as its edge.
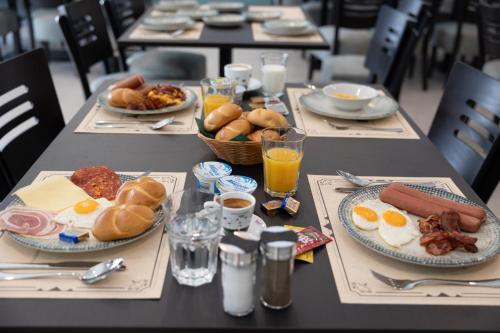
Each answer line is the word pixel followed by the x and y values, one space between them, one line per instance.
pixel 367 214
pixel 396 228
pixel 84 213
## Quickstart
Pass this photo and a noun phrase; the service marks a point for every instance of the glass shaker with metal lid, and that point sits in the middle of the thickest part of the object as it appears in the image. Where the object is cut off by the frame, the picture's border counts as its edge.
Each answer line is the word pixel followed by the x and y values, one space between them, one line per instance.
pixel 278 246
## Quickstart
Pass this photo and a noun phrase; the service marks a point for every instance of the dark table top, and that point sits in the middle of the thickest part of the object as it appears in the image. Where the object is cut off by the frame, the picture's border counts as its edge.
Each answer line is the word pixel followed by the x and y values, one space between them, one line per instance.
pixel 316 302
pixel 240 37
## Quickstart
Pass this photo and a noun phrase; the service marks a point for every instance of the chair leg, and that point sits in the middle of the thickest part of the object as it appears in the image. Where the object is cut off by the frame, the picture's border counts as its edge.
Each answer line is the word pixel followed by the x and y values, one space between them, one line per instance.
pixel 433 62
pixel 311 68
pixel 411 66
pixel 17 41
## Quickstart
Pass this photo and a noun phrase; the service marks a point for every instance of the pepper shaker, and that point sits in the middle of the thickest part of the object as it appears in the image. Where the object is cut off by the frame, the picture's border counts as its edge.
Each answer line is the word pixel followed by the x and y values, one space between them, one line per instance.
pixel 238 257
pixel 278 246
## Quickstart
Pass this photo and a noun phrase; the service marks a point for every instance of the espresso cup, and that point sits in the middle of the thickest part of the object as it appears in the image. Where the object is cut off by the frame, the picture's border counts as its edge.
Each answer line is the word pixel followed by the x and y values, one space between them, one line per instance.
pixel 236 217
pixel 239 72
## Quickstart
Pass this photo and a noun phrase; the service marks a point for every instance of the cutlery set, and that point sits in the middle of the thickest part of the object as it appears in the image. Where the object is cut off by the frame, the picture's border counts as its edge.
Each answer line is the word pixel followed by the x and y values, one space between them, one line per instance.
pixel 154 125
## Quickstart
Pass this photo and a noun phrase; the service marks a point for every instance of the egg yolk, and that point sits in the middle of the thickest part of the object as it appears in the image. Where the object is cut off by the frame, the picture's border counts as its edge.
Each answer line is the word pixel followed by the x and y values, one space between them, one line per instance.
pixel 367 213
pixel 394 218
pixel 86 206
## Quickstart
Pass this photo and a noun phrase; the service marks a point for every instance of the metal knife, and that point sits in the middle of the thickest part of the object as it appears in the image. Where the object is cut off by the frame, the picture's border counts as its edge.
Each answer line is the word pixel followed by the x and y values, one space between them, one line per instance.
pixel 52 265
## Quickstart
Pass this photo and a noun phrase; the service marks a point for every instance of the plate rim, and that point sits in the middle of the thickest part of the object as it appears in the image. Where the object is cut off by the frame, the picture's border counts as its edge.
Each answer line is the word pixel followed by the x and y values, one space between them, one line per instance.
pixel 311 29
pixel 161 28
pixel 355 234
pixel 346 116
pixel 101 98
pixel 23 240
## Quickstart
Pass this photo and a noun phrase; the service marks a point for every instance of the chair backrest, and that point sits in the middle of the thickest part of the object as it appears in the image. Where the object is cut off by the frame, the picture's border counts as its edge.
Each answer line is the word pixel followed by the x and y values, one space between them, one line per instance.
pixel 353 14
pixel 391 48
pixel 84 28
pixel 416 9
pixel 467 126
pixel 123 13
pixel 489 29
pixel 30 115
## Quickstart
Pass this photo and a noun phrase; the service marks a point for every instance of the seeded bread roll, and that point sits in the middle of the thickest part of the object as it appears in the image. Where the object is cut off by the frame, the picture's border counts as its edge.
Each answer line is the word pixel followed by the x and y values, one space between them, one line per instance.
pixel 221 116
pixel 257 135
pixel 123 221
pixel 267 118
pixel 233 129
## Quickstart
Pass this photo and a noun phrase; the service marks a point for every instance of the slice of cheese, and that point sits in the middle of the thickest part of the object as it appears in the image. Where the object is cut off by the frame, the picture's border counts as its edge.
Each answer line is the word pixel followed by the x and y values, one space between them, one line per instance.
pixel 54 193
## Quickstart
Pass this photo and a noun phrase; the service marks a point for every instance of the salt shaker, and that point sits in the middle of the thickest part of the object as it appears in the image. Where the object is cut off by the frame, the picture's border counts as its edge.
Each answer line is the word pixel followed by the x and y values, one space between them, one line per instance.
pixel 238 257
pixel 278 246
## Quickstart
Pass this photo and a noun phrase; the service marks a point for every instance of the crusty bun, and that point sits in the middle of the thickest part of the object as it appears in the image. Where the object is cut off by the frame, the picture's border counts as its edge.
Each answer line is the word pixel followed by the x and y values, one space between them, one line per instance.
pixel 143 191
pixel 122 222
pixel 267 118
pixel 233 129
pixel 122 97
pixel 221 116
pixel 257 135
pixel 244 115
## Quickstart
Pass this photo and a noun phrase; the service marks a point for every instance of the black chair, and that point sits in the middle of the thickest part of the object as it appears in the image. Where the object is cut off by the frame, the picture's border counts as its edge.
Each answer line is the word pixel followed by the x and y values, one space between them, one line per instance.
pixel 85 31
pixel 9 24
pixel 123 13
pixel 489 37
pixel 350 32
pixel 389 54
pixel 30 116
pixel 466 127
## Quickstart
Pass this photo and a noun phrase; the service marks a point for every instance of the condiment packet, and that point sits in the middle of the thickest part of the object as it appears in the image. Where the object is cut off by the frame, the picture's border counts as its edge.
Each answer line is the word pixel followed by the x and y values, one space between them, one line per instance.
pixel 310 238
pixel 306 256
pixel 276 105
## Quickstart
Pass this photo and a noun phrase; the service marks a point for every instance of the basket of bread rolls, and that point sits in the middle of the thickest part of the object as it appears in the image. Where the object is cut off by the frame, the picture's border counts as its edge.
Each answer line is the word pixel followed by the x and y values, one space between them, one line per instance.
pixel 234 135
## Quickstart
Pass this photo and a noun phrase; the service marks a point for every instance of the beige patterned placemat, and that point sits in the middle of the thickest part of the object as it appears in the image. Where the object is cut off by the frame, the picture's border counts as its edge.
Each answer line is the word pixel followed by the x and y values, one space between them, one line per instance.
pixel 351 262
pixel 184 120
pixel 288 12
pixel 316 125
pixel 190 34
pixel 146 261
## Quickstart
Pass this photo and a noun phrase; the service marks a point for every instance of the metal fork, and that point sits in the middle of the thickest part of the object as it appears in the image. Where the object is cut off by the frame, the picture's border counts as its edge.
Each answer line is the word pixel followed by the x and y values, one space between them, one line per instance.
pixel 410 284
pixel 368 127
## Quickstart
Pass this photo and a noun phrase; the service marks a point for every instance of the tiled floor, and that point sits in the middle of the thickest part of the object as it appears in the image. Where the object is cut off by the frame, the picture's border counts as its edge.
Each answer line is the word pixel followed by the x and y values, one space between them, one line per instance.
pixel 419 104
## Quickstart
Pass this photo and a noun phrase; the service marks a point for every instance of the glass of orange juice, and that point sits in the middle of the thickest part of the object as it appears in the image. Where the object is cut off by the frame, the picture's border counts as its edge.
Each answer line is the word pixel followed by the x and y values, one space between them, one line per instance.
pixel 282 152
pixel 216 92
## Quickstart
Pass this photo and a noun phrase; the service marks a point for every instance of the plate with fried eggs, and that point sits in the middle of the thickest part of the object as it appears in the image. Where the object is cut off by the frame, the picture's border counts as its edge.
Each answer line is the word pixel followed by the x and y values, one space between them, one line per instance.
pixel 392 232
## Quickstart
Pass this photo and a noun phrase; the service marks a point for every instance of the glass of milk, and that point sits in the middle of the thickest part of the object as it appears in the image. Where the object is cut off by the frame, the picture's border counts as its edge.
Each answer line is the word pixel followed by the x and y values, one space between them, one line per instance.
pixel 273 73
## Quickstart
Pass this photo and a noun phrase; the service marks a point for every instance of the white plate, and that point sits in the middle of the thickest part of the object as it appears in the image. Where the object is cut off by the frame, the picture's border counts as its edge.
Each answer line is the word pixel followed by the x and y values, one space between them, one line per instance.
pixel 225 20
pixel 167 23
pixel 287 26
pixel 379 107
pixel 190 100
pixel 227 7
pixel 174 5
pixel 309 30
pixel 261 16
pixel 197 14
pixel 253 84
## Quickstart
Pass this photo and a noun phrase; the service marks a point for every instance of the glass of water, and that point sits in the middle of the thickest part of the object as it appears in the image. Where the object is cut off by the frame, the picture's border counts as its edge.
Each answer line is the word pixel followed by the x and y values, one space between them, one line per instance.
pixel 273 73
pixel 194 224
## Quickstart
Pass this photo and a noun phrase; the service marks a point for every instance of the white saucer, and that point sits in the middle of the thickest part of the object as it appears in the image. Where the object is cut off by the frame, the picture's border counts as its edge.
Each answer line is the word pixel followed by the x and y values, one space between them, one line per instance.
pixel 253 84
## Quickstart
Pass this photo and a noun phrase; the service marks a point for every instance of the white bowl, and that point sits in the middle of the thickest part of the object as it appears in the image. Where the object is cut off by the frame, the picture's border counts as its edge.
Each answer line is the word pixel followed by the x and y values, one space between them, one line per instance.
pixel 287 25
pixel 362 95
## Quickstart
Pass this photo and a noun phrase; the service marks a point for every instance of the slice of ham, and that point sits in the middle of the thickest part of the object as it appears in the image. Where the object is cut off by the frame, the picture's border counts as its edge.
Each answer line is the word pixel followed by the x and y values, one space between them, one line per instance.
pixel 27 221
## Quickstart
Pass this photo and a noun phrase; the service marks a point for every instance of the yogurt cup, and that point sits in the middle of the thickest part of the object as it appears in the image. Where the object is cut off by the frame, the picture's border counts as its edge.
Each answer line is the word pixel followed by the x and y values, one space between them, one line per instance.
pixel 207 174
pixel 236 184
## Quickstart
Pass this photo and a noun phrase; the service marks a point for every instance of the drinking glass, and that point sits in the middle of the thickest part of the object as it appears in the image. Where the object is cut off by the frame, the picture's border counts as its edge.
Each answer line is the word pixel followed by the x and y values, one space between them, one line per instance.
pixel 273 73
pixel 282 158
pixel 194 223
pixel 216 92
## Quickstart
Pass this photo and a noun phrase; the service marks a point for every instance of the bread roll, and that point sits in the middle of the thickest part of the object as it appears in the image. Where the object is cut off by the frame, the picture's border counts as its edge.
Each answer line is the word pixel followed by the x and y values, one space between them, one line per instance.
pixel 257 135
pixel 221 116
pixel 143 191
pixel 233 129
pixel 267 118
pixel 122 222
pixel 122 97
pixel 244 115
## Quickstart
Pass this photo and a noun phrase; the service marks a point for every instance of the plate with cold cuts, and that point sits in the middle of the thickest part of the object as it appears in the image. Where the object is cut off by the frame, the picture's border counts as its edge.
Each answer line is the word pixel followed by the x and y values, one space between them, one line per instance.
pixel 359 210
pixel 82 215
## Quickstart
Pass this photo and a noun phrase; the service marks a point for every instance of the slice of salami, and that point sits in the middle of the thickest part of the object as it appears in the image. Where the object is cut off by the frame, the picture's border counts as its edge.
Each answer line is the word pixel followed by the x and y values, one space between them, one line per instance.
pixel 98 181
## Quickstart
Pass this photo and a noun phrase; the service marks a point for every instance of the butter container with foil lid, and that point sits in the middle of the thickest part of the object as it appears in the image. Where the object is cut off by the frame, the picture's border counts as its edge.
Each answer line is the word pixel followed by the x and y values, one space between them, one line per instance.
pixel 207 174
pixel 236 184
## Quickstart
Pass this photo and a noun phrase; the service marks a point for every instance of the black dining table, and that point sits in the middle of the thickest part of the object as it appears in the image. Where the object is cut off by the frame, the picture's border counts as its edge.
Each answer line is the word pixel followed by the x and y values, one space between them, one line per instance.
pixel 225 39
pixel 316 304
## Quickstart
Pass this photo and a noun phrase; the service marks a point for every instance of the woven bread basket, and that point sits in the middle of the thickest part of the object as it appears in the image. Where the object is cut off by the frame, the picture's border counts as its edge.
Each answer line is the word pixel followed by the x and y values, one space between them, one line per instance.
pixel 235 152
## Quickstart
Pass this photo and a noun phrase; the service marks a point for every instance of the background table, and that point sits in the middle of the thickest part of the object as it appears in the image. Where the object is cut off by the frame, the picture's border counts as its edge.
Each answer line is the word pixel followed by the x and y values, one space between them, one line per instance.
pixel 225 39
pixel 316 303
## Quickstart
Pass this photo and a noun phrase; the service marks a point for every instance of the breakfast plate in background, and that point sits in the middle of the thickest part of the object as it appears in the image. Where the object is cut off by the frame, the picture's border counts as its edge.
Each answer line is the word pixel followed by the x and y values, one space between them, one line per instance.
pixel 225 20
pixel 191 98
pixel 379 107
pixel 227 7
pixel 174 5
pixel 197 14
pixel 53 244
pixel 262 16
pixel 167 23
pixel 488 235
pixel 289 27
